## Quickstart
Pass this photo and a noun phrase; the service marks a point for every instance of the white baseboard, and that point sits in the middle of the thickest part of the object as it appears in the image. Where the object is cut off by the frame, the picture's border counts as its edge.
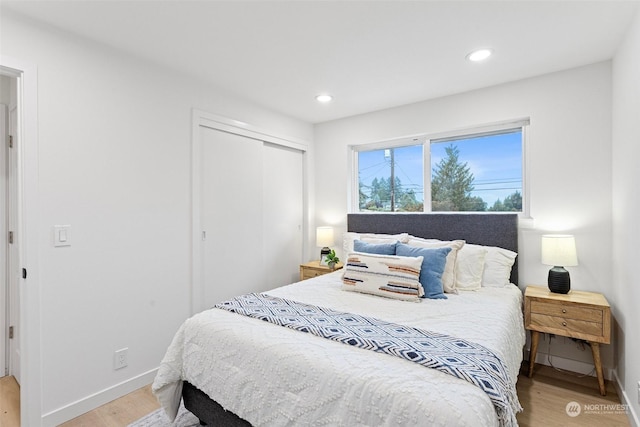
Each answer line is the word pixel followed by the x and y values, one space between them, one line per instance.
pixel 624 399
pixel 95 400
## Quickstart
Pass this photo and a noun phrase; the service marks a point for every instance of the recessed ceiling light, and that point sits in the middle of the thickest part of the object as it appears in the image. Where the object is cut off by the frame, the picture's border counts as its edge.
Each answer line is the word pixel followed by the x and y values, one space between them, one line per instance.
pixel 324 98
pixel 479 55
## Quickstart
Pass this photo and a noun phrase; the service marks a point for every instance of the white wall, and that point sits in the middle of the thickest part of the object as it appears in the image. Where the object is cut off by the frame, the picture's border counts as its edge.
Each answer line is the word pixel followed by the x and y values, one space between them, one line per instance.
pixel 5 90
pixel 626 205
pixel 114 163
pixel 570 173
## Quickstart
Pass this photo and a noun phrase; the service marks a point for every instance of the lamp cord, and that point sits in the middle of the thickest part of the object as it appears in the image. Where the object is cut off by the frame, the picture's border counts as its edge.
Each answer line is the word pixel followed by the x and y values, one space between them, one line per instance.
pixel 564 371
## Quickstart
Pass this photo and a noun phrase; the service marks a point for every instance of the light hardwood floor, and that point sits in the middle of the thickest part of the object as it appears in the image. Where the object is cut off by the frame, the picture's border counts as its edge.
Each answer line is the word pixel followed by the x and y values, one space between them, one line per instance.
pixel 543 397
pixel 119 413
pixel 9 402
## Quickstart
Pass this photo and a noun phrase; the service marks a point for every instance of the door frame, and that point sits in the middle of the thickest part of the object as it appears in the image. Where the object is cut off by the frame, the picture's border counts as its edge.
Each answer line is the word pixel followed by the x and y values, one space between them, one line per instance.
pixel 13 250
pixel 202 118
pixel 4 251
pixel 28 215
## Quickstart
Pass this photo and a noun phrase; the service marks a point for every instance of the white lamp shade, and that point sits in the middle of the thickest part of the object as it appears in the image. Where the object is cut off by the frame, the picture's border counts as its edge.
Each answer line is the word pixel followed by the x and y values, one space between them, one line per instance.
pixel 324 236
pixel 559 250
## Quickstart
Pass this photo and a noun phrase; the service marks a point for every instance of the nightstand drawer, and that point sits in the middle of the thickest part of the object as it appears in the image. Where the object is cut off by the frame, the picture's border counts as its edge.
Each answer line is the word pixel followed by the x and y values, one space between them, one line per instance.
pixel 314 269
pixel 567 311
pixel 566 326
pixel 310 274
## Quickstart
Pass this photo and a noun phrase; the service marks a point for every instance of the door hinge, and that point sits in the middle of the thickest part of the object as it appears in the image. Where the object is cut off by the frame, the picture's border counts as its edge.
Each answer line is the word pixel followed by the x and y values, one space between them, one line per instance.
pixel 11 237
pixel 24 273
pixel 10 332
pixel 10 141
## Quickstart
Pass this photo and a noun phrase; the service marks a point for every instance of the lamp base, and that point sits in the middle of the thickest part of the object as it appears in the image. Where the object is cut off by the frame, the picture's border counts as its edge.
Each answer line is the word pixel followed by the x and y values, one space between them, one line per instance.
pixel 323 255
pixel 559 281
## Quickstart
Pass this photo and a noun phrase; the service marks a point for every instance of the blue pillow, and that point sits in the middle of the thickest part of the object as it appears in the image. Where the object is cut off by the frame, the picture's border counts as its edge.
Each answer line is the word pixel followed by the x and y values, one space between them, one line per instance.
pixel 375 248
pixel 432 267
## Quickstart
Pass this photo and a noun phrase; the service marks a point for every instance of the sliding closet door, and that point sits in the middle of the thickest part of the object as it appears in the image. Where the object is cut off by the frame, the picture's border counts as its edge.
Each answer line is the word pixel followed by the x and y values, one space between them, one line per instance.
pixel 251 212
pixel 282 214
pixel 231 215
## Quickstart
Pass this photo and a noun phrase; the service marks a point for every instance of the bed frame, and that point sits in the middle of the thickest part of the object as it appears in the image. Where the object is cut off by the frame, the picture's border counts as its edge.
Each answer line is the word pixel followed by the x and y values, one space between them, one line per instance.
pixel 482 229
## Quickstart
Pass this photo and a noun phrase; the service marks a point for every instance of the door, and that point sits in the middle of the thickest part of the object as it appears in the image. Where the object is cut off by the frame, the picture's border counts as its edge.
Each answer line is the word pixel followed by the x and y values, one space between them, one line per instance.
pixel 282 215
pixel 251 214
pixel 231 168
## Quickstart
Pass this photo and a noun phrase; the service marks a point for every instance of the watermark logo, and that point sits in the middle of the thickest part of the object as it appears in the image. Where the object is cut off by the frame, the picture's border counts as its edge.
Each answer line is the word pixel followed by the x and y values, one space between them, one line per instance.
pixel 573 409
pixel 606 408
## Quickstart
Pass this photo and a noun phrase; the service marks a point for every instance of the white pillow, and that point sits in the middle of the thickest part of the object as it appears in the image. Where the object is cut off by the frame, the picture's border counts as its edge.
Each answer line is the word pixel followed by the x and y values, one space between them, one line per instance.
pixel 497 266
pixel 389 276
pixel 449 274
pixel 349 237
pixel 469 267
pixel 421 239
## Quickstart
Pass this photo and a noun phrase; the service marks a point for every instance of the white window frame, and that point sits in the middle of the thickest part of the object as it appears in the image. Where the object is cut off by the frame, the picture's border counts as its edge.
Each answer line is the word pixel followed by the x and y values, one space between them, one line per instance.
pixel 426 140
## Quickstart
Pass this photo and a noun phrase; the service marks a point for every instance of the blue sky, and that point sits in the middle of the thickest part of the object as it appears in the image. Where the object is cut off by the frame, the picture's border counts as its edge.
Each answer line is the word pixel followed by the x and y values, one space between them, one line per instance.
pixel 495 161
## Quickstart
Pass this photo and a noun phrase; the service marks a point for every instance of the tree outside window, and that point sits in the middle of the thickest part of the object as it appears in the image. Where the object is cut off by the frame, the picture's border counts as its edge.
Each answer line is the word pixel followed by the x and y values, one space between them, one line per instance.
pixel 477 173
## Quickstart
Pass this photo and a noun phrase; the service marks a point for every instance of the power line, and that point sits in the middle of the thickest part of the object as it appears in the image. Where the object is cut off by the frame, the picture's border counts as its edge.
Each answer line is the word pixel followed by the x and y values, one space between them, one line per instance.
pixel 494 189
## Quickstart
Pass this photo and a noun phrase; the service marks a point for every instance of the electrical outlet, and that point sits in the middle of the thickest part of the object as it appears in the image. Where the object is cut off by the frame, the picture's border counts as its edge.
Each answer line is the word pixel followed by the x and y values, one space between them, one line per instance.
pixel 121 358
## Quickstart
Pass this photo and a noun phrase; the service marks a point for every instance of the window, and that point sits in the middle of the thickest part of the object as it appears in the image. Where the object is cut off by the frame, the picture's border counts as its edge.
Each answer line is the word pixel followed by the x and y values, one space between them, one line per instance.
pixel 474 171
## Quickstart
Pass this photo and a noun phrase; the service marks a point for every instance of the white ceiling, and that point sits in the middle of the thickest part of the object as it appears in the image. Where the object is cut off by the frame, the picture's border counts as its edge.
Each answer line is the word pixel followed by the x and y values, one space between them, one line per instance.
pixel 370 55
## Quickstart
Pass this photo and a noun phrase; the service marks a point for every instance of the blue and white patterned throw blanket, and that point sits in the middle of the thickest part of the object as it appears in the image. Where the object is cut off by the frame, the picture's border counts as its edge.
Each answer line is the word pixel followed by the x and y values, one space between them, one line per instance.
pixel 462 359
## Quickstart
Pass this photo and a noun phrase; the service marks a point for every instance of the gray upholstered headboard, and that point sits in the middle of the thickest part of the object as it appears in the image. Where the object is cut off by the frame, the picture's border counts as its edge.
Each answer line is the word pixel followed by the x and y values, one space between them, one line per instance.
pixel 481 229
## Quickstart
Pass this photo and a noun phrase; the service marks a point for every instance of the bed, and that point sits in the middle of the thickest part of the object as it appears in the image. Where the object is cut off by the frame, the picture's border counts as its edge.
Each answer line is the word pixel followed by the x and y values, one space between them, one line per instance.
pixel 238 370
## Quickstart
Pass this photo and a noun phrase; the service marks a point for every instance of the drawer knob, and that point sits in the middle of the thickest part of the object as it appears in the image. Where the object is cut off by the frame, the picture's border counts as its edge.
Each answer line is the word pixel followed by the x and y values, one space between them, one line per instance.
pixel 564 310
pixel 564 323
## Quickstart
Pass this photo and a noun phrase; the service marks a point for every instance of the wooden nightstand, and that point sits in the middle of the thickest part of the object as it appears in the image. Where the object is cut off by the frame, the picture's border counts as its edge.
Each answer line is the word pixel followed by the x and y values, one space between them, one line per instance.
pixel 578 314
pixel 314 269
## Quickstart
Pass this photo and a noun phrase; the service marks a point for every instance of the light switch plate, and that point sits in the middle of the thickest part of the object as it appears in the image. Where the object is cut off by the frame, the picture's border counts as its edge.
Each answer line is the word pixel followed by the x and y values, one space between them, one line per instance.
pixel 61 235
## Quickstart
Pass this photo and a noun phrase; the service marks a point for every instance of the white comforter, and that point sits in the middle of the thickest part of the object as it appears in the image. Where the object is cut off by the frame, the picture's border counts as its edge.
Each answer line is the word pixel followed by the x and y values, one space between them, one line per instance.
pixel 275 376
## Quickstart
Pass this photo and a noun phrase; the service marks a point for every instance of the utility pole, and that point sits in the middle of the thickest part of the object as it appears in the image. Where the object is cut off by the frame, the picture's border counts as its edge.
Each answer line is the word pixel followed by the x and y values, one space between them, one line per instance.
pixel 388 153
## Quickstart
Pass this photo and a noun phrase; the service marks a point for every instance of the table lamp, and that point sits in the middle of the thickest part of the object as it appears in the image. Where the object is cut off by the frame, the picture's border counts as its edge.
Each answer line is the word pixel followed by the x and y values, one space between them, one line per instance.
pixel 559 250
pixel 324 238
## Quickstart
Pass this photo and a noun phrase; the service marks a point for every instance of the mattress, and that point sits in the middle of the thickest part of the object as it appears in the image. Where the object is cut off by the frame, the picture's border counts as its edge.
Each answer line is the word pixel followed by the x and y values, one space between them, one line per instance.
pixel 275 376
